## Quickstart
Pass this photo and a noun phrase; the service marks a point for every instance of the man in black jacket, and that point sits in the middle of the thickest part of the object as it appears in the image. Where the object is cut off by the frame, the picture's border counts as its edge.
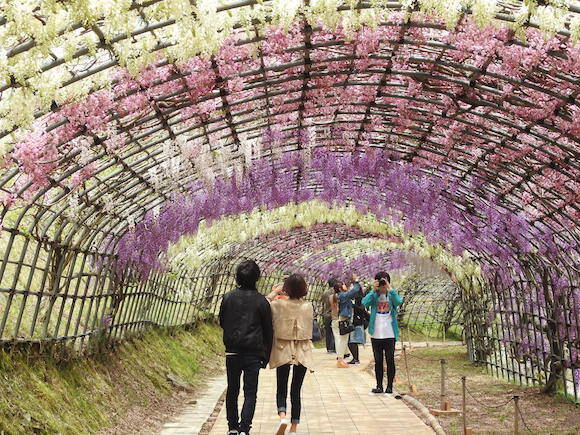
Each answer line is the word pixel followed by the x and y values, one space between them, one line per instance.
pixel 246 319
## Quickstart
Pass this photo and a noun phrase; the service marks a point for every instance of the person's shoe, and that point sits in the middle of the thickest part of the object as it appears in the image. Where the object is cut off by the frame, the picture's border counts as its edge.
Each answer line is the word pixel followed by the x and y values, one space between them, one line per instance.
pixel 341 364
pixel 331 351
pixel 233 432
pixel 283 425
pixel 346 355
pixel 389 390
pixel 378 390
pixel 354 362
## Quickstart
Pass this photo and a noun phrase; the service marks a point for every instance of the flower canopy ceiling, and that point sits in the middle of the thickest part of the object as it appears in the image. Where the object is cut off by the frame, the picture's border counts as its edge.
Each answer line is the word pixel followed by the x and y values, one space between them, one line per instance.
pixel 111 109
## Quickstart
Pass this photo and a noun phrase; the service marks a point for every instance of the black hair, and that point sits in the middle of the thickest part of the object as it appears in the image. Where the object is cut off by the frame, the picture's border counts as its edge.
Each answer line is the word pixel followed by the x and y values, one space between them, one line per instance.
pixel 247 274
pixel 332 281
pixel 383 275
pixel 295 286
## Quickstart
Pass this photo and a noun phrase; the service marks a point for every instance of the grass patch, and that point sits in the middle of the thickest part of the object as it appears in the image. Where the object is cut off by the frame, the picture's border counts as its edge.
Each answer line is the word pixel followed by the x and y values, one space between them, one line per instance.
pixel 44 395
pixel 428 333
pixel 543 413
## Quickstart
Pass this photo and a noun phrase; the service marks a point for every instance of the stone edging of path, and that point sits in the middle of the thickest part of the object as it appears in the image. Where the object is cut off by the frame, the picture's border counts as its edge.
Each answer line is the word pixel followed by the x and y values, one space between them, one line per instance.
pixel 208 425
pixel 193 418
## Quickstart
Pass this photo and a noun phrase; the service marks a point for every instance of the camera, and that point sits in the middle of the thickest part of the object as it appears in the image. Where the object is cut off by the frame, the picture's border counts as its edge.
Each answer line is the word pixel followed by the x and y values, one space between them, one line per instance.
pixel 382 282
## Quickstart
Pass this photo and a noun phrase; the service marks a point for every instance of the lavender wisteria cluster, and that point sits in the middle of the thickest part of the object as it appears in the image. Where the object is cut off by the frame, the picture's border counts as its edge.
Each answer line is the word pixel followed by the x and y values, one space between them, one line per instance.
pixel 372 182
pixel 325 264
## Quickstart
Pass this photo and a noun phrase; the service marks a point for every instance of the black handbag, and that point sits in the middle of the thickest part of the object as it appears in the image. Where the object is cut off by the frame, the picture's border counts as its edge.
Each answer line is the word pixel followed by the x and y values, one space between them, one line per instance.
pixel 345 327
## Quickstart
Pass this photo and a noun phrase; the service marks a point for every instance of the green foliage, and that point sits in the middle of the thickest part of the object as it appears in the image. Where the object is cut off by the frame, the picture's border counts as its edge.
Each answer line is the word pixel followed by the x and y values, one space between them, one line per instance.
pixel 45 395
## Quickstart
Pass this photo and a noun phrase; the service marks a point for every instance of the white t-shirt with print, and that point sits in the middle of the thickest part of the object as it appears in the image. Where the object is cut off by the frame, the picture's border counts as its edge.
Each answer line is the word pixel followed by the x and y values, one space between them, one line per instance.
pixel 383 320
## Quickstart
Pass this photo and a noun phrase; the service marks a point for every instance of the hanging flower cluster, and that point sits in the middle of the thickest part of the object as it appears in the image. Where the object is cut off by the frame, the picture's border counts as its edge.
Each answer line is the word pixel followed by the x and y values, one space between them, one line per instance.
pixel 286 232
pixel 364 265
pixel 35 32
pixel 399 192
pixel 458 117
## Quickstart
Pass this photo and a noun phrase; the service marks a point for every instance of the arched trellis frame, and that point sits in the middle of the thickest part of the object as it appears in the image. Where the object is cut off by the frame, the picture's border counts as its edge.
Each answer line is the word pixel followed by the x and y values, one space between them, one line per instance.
pixel 419 93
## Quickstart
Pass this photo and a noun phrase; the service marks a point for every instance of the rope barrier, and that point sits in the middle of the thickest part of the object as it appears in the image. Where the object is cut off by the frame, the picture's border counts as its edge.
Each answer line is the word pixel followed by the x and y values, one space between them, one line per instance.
pixel 461 385
pixel 423 358
pixel 453 381
pixel 524 421
pixel 484 404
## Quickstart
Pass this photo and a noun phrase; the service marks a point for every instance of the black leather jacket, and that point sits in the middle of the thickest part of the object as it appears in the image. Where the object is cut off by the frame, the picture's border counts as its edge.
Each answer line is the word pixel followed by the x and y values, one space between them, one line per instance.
pixel 246 319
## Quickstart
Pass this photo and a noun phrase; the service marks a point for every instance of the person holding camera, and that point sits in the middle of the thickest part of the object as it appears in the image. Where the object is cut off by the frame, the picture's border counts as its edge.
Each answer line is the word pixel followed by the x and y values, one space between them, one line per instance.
pixel 292 349
pixel 341 301
pixel 383 301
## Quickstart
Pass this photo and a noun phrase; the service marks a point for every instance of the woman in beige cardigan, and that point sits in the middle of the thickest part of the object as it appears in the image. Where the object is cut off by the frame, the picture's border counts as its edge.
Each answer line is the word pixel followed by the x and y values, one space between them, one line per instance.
pixel 292 347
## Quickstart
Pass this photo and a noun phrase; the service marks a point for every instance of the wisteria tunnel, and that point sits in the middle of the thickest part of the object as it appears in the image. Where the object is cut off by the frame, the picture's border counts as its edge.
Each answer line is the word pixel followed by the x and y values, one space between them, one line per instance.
pixel 147 146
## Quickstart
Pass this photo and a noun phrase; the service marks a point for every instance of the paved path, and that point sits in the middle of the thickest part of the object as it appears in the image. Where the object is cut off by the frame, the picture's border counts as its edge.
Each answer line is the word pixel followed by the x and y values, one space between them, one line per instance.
pixel 335 401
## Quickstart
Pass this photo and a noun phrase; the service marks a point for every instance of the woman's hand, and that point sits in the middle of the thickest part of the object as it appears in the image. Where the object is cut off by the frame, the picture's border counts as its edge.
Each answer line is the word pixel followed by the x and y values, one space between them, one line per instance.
pixel 276 291
pixel 376 285
pixel 354 277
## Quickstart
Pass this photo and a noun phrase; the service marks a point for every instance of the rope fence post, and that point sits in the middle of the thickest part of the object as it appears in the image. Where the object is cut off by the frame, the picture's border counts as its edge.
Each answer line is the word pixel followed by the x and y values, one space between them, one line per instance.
pixel 466 430
pixel 445 407
pixel 444 403
pixel 516 415
pixel 412 388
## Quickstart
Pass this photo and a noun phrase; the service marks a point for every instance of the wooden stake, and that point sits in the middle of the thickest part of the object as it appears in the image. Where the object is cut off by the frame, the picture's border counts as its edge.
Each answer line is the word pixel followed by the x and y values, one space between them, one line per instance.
pixel 443 394
pixel 406 366
pixel 445 406
pixel 463 405
pixel 516 415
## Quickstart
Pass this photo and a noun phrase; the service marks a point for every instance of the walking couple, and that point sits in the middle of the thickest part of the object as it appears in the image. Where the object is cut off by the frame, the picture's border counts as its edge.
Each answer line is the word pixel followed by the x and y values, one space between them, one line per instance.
pixel 382 325
pixel 276 329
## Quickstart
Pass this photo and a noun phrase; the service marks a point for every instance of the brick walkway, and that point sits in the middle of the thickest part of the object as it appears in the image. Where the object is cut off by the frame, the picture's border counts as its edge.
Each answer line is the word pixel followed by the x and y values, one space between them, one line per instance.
pixel 334 401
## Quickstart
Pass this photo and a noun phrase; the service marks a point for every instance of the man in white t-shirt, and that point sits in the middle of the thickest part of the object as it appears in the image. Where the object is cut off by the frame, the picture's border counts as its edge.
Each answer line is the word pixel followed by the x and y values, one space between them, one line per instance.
pixel 383 301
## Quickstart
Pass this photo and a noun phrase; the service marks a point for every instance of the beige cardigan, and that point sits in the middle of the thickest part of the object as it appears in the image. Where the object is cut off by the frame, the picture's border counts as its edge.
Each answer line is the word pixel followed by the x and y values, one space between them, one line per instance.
pixel 292 320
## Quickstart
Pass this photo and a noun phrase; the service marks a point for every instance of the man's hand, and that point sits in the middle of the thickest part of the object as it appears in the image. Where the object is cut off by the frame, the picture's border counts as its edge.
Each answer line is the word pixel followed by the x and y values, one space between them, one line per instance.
pixel 355 277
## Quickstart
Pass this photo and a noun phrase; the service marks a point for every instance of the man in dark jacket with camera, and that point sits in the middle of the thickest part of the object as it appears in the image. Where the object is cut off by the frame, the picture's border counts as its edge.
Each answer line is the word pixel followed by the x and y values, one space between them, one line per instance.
pixel 246 319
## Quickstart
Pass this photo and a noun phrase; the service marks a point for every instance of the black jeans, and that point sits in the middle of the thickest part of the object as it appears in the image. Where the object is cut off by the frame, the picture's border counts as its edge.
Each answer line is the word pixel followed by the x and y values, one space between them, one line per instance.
pixel 250 367
pixel 329 334
pixel 282 375
pixel 353 347
pixel 386 347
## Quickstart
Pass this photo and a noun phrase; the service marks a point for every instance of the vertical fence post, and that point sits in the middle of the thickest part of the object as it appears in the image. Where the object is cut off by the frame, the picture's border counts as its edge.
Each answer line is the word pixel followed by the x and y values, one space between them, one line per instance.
pixel 464 405
pixel 516 415
pixel 443 403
